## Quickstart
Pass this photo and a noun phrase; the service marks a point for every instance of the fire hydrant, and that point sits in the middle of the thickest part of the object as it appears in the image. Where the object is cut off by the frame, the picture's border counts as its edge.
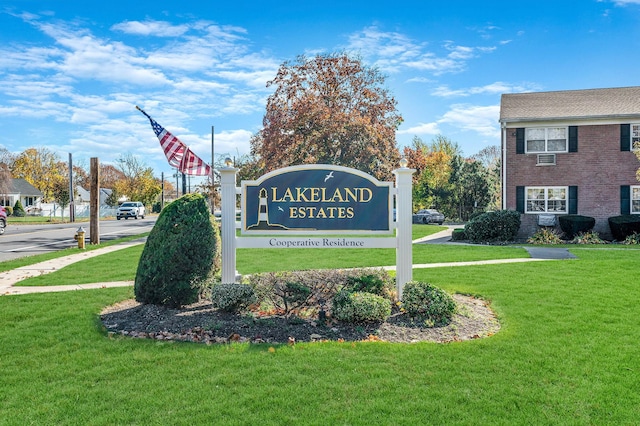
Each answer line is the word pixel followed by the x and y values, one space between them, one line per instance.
pixel 79 237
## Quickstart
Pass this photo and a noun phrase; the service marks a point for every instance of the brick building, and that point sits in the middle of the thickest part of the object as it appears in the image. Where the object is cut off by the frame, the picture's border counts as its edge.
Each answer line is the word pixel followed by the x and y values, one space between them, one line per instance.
pixel 570 152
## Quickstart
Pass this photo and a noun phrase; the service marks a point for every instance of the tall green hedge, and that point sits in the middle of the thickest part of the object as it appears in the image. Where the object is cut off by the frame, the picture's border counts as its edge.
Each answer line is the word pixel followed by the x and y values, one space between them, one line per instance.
pixel 179 257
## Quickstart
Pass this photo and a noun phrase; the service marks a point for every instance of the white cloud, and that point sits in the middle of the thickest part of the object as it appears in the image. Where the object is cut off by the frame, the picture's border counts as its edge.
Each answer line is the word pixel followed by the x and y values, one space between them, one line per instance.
pixel 394 52
pixel 155 28
pixel 497 87
pixel 625 2
pixel 421 129
pixel 232 142
pixel 480 119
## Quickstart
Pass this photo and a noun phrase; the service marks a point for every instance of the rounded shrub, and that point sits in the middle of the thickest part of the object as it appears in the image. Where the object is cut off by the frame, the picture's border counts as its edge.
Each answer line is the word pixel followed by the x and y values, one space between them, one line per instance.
pixel 360 307
pixel 574 224
pixel 426 301
pixel 178 258
pixel 232 297
pixel 624 225
pixel 9 210
pixel 495 226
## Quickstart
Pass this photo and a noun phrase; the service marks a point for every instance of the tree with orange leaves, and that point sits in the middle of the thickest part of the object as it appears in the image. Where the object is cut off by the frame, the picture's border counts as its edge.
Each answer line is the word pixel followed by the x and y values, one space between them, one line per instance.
pixel 329 109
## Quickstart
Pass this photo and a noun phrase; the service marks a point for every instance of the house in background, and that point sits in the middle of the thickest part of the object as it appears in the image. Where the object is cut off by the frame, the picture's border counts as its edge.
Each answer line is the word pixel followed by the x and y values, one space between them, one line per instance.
pixel 30 197
pixel 570 152
pixel 83 196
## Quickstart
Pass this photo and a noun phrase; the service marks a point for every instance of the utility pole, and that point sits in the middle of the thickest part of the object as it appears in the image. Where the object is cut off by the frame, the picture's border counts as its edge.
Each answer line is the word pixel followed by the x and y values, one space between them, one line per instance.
pixel 94 202
pixel 72 209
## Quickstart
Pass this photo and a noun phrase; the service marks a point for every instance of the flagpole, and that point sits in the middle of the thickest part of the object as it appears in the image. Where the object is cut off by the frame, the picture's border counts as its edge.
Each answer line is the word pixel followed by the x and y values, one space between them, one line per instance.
pixel 213 162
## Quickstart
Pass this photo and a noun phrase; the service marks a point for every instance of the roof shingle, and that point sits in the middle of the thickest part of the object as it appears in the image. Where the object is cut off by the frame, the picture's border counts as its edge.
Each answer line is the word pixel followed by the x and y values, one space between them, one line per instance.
pixel 570 104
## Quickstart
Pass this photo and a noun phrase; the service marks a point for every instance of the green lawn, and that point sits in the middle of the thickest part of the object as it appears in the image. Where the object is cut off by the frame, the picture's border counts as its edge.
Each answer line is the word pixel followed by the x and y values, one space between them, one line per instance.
pixel 250 261
pixel 567 353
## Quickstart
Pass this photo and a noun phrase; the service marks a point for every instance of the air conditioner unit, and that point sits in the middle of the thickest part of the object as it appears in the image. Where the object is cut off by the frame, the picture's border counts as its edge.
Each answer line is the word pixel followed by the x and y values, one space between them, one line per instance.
pixel 546 160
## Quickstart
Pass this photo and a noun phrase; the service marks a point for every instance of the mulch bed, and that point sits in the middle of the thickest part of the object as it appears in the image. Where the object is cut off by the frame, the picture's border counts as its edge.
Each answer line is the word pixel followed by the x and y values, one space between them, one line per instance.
pixel 201 322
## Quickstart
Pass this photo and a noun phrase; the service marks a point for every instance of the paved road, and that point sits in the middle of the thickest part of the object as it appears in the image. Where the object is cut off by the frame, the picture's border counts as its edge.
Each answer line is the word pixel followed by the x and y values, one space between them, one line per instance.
pixel 26 240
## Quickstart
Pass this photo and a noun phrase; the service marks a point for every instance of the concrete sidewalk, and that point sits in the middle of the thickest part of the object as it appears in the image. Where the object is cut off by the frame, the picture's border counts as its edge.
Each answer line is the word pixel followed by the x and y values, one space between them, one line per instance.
pixel 9 278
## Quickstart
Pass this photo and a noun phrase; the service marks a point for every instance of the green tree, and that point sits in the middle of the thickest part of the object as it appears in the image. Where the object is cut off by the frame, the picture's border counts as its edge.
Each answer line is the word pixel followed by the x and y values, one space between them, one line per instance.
pixel 18 210
pixel 329 109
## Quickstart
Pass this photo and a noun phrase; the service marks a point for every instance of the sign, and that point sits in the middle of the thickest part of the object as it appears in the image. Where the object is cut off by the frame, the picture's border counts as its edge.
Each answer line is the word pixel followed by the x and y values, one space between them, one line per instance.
pixel 316 198
pixel 308 242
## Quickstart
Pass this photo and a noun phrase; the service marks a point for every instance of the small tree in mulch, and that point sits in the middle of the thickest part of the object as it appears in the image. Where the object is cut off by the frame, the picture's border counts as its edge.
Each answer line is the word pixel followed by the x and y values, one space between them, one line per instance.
pixel 179 258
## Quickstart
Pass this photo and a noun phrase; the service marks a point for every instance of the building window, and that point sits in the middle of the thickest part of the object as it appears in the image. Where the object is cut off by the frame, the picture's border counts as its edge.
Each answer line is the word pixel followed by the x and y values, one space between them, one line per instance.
pixel 29 201
pixel 635 200
pixel 546 139
pixel 635 136
pixel 550 199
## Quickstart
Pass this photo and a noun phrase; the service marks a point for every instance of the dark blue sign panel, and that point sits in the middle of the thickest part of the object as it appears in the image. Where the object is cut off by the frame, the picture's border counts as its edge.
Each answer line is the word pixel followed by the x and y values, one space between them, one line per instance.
pixel 316 198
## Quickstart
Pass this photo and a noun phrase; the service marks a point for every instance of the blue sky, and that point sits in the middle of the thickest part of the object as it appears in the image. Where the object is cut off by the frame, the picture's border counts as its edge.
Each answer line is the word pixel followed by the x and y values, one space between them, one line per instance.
pixel 71 72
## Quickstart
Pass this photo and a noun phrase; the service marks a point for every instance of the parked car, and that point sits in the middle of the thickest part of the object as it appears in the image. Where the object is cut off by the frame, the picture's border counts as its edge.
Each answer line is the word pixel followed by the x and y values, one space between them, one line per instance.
pixel 428 216
pixel 134 209
pixel 3 219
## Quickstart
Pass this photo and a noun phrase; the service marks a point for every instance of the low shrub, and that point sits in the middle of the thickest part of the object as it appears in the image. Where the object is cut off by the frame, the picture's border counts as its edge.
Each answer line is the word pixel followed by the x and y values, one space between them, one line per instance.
pixel 588 238
pixel 360 307
pixel 632 239
pixel 574 224
pixel 370 284
pixel 9 210
pixel 323 284
pixel 232 297
pixel 495 226
pixel 426 301
pixel 624 225
pixel 289 296
pixel 545 236
pixel 458 235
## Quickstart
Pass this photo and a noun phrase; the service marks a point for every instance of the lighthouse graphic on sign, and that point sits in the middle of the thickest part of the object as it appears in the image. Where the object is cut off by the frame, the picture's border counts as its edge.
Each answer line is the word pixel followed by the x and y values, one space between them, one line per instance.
pixel 263 214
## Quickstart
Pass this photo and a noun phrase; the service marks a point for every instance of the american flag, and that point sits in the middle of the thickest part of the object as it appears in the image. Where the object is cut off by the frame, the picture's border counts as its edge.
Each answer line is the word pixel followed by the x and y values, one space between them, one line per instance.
pixel 178 154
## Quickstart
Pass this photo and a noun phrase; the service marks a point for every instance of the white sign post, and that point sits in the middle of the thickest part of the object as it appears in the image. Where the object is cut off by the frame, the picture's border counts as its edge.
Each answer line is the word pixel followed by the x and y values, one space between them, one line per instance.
pixel 228 231
pixel 404 214
pixel 401 241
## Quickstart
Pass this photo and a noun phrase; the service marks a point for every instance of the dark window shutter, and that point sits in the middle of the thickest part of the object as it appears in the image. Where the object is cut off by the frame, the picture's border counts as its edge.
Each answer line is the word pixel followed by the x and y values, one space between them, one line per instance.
pixel 520 199
pixel 573 138
pixel 625 137
pixel 520 140
pixel 625 199
pixel 573 200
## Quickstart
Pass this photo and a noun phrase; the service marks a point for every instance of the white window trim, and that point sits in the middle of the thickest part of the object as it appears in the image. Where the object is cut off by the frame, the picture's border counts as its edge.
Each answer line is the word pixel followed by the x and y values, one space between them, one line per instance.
pixel 631 199
pixel 546 199
pixel 546 140
pixel 634 146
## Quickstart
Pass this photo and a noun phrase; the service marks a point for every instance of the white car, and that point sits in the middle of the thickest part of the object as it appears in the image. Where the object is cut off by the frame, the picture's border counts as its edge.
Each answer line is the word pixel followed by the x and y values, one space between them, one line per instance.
pixel 134 209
